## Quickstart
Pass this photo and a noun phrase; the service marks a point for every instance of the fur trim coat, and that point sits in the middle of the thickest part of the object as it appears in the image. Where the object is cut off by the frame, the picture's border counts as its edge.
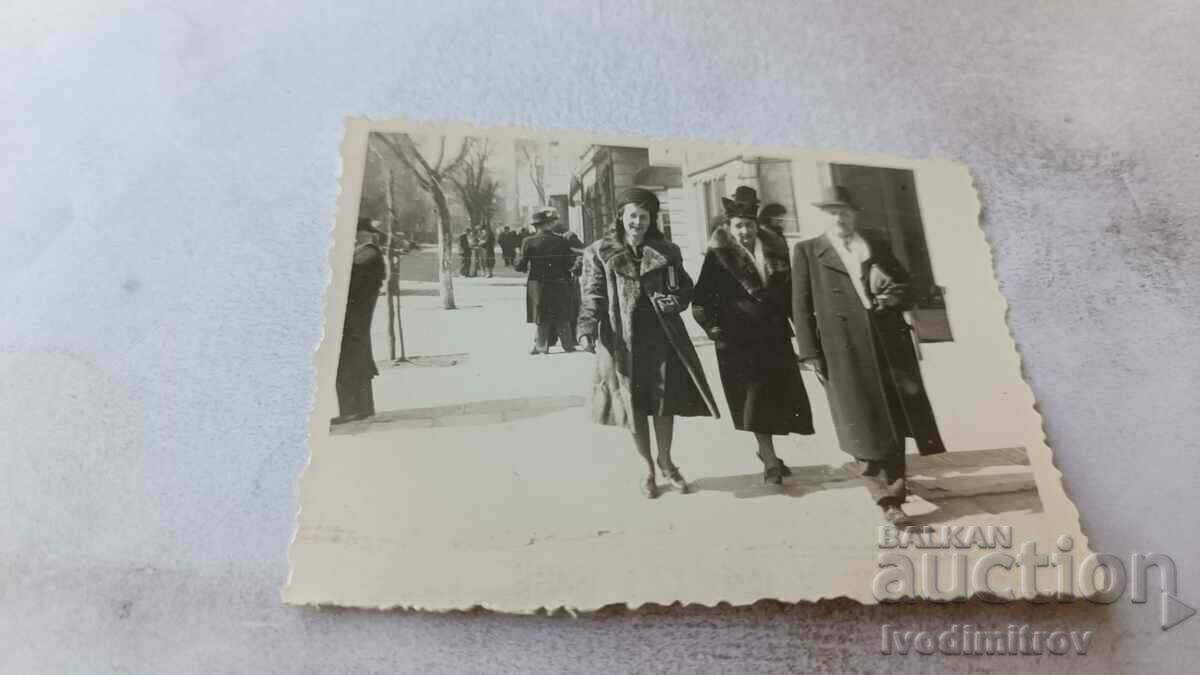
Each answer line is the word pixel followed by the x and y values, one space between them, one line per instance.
pixel 747 318
pixel 613 279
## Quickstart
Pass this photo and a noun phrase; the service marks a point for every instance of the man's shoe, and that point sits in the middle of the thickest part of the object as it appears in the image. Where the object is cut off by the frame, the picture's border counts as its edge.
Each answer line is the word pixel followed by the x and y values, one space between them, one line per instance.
pixel 344 419
pixel 894 515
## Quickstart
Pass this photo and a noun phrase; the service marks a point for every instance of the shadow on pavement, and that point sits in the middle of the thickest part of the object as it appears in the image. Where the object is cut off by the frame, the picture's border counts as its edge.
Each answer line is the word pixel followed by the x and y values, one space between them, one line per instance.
pixel 936 479
pixel 474 413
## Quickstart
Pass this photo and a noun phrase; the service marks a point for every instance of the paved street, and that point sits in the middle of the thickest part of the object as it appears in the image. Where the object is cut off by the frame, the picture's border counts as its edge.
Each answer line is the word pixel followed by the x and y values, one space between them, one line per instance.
pixel 470 368
pixel 473 422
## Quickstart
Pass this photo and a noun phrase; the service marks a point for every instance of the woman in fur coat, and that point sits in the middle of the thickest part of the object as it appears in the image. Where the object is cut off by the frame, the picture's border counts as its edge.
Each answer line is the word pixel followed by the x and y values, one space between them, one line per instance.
pixel 743 302
pixel 634 288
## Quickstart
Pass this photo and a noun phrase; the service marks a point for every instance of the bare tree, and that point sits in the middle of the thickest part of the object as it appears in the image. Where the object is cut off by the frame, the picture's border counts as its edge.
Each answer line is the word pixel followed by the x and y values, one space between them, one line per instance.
pixel 477 190
pixel 534 166
pixel 431 177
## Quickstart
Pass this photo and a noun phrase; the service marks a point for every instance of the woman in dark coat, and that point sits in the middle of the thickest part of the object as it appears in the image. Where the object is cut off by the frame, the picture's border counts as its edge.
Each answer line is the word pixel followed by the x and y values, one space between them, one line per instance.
pixel 743 302
pixel 634 288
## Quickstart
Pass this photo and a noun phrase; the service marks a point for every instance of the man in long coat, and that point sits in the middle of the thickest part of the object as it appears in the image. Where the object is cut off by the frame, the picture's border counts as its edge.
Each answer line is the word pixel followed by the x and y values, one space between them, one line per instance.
pixel 508 241
pixel 848 297
pixel 356 363
pixel 550 292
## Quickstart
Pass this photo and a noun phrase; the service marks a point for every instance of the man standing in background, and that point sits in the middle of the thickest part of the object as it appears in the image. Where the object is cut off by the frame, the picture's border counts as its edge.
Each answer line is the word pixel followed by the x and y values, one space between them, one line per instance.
pixel 577 246
pixel 548 259
pixel 508 241
pixel 356 363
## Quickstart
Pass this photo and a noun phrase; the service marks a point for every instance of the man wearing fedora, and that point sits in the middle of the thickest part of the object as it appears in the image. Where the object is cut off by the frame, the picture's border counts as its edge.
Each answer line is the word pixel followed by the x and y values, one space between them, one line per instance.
pixel 848 296
pixel 550 292
pixel 356 363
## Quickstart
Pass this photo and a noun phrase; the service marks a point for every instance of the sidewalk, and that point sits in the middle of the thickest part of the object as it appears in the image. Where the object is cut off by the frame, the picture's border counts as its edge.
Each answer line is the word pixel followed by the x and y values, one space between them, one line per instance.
pixel 484 477
pixel 470 368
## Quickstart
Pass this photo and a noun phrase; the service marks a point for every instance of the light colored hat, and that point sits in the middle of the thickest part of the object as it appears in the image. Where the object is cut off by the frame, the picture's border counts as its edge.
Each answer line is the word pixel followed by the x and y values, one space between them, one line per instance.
pixel 543 215
pixel 835 196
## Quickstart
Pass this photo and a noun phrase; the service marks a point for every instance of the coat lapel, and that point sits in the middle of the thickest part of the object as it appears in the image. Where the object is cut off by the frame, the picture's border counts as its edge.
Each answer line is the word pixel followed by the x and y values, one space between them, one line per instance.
pixel 621 260
pixel 829 257
pixel 652 259
pixel 740 263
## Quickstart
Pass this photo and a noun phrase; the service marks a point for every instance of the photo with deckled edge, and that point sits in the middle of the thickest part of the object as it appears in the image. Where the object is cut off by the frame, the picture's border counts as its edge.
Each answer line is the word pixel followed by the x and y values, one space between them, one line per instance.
pixel 565 370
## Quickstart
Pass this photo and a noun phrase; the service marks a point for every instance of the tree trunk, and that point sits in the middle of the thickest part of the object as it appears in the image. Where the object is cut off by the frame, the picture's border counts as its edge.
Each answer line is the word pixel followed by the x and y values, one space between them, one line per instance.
pixel 390 248
pixel 445 246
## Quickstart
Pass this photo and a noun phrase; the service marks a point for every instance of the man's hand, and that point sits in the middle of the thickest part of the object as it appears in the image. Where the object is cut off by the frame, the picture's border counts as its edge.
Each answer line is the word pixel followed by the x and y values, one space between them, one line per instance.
pixel 588 343
pixel 885 300
pixel 717 335
pixel 817 365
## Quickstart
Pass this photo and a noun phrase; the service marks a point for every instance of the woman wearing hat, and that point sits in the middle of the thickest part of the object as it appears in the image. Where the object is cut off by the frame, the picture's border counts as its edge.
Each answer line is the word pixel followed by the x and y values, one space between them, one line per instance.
pixel 743 302
pixel 634 288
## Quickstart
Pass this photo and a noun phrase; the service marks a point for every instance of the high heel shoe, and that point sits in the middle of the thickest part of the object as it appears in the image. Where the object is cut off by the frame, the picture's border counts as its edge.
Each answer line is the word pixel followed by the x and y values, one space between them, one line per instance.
pixel 783 468
pixel 649 488
pixel 675 478
pixel 773 474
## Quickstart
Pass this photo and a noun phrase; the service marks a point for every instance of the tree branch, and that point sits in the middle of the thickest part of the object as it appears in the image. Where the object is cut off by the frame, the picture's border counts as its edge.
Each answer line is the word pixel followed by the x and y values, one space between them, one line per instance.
pixel 462 156
pixel 402 153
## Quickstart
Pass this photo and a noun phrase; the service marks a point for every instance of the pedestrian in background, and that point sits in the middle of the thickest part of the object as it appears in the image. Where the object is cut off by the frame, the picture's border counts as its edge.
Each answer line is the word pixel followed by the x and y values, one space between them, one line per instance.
pixel 508 241
pixel 475 239
pixel 634 288
pixel 488 249
pixel 464 253
pixel 773 217
pixel 743 301
pixel 548 258
pixel 356 362
pixel 577 246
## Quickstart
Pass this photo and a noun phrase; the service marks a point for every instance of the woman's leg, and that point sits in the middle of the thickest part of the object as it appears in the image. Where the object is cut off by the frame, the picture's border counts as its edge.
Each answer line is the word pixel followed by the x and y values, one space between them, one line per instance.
pixel 664 434
pixel 773 468
pixel 766 449
pixel 641 439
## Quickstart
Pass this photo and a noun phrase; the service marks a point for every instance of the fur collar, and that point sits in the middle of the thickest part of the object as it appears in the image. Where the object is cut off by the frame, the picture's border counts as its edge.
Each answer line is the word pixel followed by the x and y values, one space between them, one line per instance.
pixel 655 255
pixel 740 263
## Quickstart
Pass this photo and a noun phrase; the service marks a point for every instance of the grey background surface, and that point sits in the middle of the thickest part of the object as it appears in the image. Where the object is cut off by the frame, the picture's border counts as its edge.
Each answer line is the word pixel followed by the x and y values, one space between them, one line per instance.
pixel 169 181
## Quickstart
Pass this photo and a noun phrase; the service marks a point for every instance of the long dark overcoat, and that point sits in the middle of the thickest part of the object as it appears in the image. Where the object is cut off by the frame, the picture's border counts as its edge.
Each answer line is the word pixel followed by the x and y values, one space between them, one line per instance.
pixel 613 279
pixel 875 390
pixel 748 321
pixel 356 363
pixel 550 291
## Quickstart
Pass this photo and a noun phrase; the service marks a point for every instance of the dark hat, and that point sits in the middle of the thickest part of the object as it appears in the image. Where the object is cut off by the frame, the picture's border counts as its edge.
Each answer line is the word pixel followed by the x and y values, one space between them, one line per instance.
pixel 543 216
pixel 772 210
pixel 640 196
pixel 364 225
pixel 743 205
pixel 836 196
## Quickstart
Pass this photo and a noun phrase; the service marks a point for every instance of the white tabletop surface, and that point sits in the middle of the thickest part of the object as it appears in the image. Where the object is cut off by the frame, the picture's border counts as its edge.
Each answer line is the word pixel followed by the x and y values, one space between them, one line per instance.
pixel 169 181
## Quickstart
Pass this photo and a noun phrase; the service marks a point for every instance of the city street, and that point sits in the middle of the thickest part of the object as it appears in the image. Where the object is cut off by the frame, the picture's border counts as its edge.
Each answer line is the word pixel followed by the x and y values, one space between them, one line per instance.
pixel 502 469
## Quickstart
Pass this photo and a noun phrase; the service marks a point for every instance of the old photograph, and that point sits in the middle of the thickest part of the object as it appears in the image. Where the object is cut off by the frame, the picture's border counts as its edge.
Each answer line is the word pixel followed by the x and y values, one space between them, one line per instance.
pixel 569 370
